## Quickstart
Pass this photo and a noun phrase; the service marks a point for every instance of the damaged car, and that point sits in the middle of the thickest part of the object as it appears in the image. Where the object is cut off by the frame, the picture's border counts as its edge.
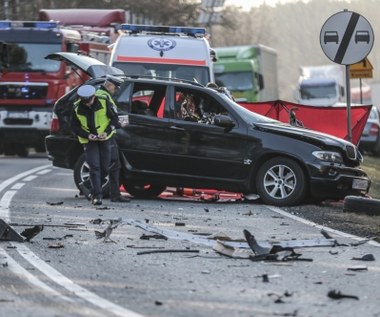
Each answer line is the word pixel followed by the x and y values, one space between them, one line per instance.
pixel 215 144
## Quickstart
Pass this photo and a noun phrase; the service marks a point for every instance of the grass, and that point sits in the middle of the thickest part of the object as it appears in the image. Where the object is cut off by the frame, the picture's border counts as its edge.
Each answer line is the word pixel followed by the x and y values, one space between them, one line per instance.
pixel 371 165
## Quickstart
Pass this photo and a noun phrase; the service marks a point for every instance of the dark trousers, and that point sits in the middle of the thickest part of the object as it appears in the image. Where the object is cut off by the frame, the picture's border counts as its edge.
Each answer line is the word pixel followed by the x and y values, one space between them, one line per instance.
pixel 98 157
pixel 114 172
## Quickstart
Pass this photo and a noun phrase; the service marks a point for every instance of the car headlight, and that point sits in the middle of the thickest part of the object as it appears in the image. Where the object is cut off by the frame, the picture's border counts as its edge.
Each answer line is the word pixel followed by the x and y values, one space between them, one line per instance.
pixel 327 156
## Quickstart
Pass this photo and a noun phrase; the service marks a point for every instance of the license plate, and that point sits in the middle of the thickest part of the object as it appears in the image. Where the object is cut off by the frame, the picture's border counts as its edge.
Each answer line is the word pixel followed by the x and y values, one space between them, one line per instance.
pixel 361 184
pixel 18 115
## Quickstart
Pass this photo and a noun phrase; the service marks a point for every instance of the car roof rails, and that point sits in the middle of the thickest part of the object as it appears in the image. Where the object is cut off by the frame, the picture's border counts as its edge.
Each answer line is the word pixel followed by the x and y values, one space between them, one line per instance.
pixel 154 29
pixel 171 79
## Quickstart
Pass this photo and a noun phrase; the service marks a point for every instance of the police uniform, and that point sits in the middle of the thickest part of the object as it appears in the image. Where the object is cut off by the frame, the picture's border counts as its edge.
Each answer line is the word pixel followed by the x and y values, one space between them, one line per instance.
pixel 95 126
pixel 114 172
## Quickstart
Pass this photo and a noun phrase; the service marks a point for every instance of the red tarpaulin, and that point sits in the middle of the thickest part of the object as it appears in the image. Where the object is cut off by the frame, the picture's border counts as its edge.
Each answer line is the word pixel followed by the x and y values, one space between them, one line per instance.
pixel 331 120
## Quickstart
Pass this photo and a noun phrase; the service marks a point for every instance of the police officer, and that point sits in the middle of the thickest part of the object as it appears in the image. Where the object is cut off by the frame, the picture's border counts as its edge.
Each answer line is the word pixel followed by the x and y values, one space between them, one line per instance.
pixel 94 121
pixel 107 90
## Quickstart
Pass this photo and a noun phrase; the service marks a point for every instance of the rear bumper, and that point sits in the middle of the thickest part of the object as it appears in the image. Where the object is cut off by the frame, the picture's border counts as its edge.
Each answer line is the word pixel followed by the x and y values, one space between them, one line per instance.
pixel 63 151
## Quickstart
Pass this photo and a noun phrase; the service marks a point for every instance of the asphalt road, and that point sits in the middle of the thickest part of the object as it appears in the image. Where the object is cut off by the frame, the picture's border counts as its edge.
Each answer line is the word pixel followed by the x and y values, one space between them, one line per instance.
pixel 160 262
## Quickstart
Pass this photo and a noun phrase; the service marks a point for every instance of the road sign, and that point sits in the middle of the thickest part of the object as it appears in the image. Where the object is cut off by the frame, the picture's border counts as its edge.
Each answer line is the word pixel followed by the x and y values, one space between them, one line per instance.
pixel 363 69
pixel 346 38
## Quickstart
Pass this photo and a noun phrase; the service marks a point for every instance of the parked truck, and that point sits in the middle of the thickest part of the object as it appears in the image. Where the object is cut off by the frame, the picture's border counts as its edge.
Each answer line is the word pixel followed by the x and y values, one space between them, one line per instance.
pixel 249 72
pixel 321 85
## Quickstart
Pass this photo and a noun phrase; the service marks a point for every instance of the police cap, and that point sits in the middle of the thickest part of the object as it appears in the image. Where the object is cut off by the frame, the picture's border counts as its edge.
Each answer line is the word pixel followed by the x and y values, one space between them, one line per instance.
pixel 114 80
pixel 86 92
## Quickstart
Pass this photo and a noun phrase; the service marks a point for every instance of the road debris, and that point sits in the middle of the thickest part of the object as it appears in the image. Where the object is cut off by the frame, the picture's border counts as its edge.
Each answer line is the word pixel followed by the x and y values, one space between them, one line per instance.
pixel 358 268
pixel 55 203
pixel 7 233
pixel 30 233
pixel 56 246
pixel 168 251
pixel 338 295
pixel 270 248
pixel 113 224
pixel 152 236
pixel 366 257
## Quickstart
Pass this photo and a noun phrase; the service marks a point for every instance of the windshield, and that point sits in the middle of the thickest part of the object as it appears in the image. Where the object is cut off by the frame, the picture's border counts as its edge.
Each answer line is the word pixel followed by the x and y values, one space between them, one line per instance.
pixel 247 115
pixel 191 73
pixel 317 92
pixel 27 57
pixel 235 81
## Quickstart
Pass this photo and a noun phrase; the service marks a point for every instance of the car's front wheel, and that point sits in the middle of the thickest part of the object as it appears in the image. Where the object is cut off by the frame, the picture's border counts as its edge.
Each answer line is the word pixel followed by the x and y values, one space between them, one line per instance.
pixel 281 181
pixel 82 175
pixel 143 190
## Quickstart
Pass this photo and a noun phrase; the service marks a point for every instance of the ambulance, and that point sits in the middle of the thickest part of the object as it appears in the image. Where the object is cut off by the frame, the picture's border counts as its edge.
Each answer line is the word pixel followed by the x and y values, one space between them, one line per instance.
pixel 165 52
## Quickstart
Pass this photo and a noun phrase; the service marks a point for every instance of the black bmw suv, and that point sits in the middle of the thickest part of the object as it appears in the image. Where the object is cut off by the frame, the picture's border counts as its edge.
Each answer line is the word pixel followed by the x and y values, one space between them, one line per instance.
pixel 224 147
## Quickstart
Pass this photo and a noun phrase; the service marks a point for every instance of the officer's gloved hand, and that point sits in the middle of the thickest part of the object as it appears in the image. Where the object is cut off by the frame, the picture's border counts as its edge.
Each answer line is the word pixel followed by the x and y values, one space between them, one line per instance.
pixel 102 136
pixel 92 137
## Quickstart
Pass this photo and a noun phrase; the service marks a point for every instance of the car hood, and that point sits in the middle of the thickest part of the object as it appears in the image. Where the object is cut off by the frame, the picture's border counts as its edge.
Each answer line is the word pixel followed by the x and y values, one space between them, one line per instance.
pixel 91 66
pixel 315 137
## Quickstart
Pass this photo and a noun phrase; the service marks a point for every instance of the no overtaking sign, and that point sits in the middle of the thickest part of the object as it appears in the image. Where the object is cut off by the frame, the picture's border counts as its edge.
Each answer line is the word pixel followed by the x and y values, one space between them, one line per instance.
pixel 346 38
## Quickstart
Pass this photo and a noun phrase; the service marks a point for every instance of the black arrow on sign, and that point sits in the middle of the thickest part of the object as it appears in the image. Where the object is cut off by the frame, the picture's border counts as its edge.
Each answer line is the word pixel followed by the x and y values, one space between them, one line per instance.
pixel 346 38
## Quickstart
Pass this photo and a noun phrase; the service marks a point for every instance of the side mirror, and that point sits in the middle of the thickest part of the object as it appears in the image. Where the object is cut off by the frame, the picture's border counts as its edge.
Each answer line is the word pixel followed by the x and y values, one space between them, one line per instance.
pixel 224 121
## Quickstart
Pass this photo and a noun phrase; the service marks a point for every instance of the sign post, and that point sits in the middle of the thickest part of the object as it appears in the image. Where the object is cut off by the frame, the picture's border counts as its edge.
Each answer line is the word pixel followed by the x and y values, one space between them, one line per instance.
pixel 346 38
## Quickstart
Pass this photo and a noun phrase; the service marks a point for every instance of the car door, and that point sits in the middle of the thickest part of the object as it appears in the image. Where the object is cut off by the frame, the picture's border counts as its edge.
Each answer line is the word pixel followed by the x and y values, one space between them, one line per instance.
pixel 145 141
pixel 205 150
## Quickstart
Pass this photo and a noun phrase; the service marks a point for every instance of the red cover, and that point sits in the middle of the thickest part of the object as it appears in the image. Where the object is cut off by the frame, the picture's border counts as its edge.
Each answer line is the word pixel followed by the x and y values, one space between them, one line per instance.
pixel 331 120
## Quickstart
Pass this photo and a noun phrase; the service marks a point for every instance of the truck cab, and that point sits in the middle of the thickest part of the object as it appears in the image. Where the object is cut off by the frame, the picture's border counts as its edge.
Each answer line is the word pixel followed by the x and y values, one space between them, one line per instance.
pixel 249 72
pixel 30 84
pixel 164 51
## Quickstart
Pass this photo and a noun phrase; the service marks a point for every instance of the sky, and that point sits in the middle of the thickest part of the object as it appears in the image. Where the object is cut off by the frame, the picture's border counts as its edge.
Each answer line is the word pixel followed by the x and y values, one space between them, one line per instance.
pixel 247 4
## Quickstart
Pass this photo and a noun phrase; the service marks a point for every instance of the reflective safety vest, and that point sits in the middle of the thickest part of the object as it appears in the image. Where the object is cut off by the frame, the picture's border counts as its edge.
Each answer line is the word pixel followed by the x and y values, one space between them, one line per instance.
pixel 101 120
pixel 106 95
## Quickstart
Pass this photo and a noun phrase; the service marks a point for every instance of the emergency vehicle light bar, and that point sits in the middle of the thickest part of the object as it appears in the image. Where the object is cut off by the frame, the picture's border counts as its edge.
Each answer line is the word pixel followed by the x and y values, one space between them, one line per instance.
pixel 135 28
pixel 28 24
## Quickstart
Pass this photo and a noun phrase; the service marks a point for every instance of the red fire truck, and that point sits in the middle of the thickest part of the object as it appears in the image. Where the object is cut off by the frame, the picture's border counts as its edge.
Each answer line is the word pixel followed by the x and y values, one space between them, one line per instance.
pixel 29 83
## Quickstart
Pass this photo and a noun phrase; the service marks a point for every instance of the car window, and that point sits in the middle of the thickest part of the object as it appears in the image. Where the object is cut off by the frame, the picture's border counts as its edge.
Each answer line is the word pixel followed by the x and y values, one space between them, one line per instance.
pixel 195 106
pixel 144 99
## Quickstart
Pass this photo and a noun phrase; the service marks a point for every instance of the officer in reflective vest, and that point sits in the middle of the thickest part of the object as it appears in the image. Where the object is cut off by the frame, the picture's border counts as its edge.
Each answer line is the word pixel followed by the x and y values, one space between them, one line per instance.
pixel 107 90
pixel 94 121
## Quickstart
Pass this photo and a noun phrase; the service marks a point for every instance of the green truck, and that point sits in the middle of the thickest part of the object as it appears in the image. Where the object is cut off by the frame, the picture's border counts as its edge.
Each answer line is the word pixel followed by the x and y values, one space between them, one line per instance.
pixel 249 72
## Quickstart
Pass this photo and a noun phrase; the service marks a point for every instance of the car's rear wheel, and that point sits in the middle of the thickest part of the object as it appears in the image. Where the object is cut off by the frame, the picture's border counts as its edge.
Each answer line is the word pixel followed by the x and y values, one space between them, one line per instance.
pixel 281 181
pixel 82 175
pixel 143 190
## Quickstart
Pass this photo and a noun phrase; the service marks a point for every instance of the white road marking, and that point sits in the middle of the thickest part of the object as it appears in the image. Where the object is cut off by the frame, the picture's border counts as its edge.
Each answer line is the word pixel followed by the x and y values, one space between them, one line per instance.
pixel 41 265
pixel 24 274
pixel 17 186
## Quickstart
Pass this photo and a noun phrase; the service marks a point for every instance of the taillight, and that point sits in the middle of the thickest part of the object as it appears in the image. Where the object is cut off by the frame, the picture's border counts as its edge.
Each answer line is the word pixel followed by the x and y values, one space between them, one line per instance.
pixel 54 125
pixel 374 130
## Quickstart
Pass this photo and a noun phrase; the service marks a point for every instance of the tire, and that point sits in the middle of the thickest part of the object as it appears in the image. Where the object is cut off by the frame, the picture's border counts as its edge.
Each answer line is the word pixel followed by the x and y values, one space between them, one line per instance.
pixel 82 174
pixel 144 190
pixel 281 182
pixel 362 205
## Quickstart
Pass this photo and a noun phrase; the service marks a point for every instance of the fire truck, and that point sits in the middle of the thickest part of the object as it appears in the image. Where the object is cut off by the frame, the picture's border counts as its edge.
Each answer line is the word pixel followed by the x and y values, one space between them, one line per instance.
pixel 98 27
pixel 30 84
